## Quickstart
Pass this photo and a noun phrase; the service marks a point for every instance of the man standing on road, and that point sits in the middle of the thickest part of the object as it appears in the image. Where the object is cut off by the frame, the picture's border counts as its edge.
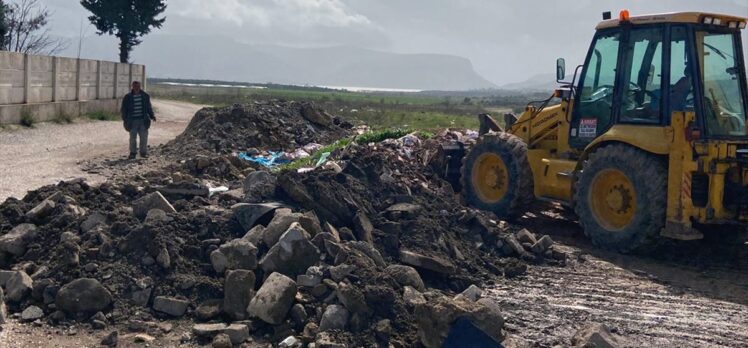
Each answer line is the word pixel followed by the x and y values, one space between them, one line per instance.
pixel 137 114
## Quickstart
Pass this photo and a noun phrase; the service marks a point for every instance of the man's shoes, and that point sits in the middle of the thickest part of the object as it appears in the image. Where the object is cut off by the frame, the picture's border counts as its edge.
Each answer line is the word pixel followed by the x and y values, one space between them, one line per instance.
pixel 143 155
pixel 132 156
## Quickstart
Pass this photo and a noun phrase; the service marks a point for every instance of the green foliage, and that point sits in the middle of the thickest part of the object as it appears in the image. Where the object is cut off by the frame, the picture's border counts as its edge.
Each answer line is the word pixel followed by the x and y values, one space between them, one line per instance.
pixel 27 118
pixel 102 116
pixel 64 117
pixel 128 20
pixel 375 137
pixel 312 160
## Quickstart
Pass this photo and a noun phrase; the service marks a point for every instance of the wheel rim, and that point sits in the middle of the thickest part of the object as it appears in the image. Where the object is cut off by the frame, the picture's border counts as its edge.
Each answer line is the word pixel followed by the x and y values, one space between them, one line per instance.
pixel 490 177
pixel 613 199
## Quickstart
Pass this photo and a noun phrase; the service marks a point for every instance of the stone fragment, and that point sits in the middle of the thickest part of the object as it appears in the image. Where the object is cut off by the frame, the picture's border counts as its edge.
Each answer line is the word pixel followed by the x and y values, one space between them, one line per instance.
pixel 32 313
pixel 362 228
pixel 352 298
pixel 254 235
pixel 406 275
pixel 42 210
pixel 163 259
pixel 16 241
pixel 274 299
pixel 111 339
pixel 170 305
pixel 143 338
pixel 19 286
pixel 335 317
pixel 238 290
pixel 153 200
pixel 542 245
pixel 3 308
pixel 221 340
pixel 413 297
pixel 282 222
pixel 219 261
pixel 156 216
pixel 68 236
pixel 208 330
pixel 250 214
pixel 238 333
pixel 93 220
pixel 83 295
pixel 339 272
pixel 290 342
pixel 369 250
pixel 383 330
pixel 525 236
pixel 472 294
pixel 240 254
pixel 435 264
pixel 435 319
pixel 208 309
pixel 298 315
pixel 595 335
pixel 259 185
pixel 293 253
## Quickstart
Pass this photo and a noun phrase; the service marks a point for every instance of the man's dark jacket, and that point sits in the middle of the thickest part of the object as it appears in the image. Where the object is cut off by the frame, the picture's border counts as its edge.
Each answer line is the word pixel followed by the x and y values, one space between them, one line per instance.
pixel 128 105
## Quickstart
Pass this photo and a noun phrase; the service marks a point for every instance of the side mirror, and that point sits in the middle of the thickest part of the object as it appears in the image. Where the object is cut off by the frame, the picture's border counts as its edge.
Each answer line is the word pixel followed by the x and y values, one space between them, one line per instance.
pixel 560 69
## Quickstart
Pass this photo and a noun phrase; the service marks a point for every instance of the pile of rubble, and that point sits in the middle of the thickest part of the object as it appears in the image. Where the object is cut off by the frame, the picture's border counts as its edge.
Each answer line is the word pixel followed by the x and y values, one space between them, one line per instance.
pixel 270 125
pixel 375 250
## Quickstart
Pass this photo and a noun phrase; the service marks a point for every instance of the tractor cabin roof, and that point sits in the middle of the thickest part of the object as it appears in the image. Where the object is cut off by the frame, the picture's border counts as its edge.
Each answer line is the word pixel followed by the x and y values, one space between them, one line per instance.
pixel 676 17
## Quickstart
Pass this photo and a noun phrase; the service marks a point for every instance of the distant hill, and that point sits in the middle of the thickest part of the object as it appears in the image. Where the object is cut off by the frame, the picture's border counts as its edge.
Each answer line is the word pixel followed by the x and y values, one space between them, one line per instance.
pixel 543 82
pixel 222 58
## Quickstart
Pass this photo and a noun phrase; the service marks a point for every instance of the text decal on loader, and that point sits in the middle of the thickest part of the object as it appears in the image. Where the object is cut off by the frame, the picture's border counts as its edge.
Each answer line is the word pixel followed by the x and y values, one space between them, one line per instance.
pixel 588 128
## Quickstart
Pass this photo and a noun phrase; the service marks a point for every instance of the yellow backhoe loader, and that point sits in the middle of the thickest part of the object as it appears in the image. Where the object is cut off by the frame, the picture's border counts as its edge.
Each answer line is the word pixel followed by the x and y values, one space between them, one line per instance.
pixel 649 139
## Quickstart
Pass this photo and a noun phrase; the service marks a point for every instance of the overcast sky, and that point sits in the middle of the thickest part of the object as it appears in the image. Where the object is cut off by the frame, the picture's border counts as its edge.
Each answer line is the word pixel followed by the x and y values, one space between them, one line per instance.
pixel 507 41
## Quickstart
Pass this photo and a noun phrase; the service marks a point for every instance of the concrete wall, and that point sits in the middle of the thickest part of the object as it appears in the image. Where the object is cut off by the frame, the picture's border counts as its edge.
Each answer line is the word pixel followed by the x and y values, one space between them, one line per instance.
pixel 45 86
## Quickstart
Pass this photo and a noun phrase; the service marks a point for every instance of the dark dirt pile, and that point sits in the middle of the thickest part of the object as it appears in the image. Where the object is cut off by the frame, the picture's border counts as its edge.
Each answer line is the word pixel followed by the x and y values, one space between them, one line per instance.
pixel 367 251
pixel 269 125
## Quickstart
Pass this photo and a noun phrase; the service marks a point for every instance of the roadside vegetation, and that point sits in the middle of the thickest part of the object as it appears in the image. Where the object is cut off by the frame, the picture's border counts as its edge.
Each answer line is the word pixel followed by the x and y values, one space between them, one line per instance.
pixel 102 116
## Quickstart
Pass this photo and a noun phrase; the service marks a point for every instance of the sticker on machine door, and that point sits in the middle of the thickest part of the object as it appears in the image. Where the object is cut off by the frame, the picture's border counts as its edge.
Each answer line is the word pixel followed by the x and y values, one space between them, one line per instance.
pixel 588 128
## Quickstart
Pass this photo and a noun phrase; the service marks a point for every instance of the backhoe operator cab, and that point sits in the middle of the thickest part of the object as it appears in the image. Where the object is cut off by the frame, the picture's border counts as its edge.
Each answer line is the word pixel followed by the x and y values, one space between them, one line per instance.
pixel 649 138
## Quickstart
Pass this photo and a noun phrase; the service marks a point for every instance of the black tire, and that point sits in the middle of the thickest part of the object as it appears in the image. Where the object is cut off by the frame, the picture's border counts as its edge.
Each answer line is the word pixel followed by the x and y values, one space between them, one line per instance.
pixel 648 175
pixel 513 152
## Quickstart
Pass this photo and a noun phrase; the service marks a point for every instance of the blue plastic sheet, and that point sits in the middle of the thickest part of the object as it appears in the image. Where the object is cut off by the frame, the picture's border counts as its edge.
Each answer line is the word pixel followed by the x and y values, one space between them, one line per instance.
pixel 273 159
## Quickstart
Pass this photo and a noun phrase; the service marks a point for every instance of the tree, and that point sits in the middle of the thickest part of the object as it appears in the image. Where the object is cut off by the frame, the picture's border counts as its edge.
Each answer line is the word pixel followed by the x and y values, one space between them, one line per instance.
pixel 26 24
pixel 128 20
pixel 3 24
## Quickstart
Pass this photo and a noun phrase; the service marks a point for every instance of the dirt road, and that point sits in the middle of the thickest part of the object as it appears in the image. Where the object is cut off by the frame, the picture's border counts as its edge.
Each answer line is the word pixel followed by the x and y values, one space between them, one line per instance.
pixel 52 152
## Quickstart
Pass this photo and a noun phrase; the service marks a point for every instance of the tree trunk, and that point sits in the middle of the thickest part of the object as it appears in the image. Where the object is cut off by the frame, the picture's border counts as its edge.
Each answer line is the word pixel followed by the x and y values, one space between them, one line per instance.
pixel 124 49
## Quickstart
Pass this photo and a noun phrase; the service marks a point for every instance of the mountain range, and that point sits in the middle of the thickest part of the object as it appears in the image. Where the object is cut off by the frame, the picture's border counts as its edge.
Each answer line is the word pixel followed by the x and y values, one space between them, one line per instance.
pixel 222 58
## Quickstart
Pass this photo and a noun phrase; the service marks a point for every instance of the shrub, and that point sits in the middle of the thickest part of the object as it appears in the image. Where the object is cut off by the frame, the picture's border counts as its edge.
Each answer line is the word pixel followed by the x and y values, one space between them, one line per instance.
pixel 27 118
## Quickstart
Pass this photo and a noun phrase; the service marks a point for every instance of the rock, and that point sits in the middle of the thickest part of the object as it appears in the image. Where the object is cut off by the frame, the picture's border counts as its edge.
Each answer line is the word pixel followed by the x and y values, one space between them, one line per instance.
pixel 143 338
pixel 250 214
pixel 406 276
pixel 352 298
pixel 83 295
pixel 184 189
pixel 155 216
pixel 383 330
pixel 333 231
pixel 316 116
pixel 208 330
pixel 209 309
pixel 238 290
pixel 93 220
pixel 525 236
pixel 309 281
pixel 413 297
pixel 111 339
pixel 19 286
pixel 5 276
pixel 435 264
pixel 32 313
pixel 435 319
pixel 163 259
pixel 514 268
pixel 339 272
pixel 542 245
pixel 472 294
pixel 15 241
pixel 290 342
pixel 153 200
pixel 514 245
pixel 68 236
pixel 170 305
pixel 259 185
pixel 3 308
pixel 274 299
pixel 298 315
pixel 370 251
pixel 335 317
pixel 282 222
pixel 594 335
pixel 254 235
pixel 221 340
pixel 142 296
pixel 362 228
pixel 238 333
pixel 219 261
pixel 239 254
pixel 42 210
pixel 293 253
pixel 406 210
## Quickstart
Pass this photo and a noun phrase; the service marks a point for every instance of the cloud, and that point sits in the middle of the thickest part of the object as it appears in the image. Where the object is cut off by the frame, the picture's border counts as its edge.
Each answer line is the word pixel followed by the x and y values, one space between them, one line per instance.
pixel 267 13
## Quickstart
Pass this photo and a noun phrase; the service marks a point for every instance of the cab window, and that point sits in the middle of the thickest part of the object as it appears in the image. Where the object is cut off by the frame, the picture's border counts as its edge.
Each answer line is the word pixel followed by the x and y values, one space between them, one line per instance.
pixel 681 83
pixel 641 97
pixel 593 111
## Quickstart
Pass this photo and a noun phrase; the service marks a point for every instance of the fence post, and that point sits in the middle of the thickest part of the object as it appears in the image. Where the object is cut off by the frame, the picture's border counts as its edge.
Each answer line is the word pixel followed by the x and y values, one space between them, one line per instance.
pixel 144 82
pixel 26 78
pixel 98 79
pixel 55 78
pixel 78 79
pixel 116 79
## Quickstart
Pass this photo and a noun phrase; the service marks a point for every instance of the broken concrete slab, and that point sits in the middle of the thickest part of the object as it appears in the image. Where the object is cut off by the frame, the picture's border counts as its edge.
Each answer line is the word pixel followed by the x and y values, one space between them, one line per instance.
pixel 93 220
pixel 239 254
pixel 542 245
pixel 150 201
pixel 595 335
pixel 19 286
pixel 16 241
pixel 238 291
pixel 435 264
pixel 435 319
pixel 362 228
pixel 406 276
pixel 335 317
pixel 208 330
pixel 292 255
pixel 83 296
pixel 173 306
pixel 274 299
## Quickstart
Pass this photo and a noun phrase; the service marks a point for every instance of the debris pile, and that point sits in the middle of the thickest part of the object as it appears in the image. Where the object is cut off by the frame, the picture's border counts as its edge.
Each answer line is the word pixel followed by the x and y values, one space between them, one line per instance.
pixel 374 251
pixel 268 125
